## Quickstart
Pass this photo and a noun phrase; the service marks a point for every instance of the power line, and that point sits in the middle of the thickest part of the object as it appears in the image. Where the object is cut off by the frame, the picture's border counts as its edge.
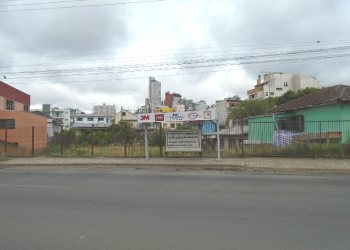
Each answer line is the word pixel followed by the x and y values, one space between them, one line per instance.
pixel 83 6
pixel 173 58
pixel 191 63
pixel 44 3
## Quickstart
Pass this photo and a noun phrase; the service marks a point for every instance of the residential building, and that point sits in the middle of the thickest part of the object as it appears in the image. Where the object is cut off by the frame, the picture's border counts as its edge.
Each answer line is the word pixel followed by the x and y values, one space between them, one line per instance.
pixel 223 107
pixel 85 121
pixel 19 129
pixel 104 109
pixel 62 116
pixel 13 99
pixel 276 84
pixel 127 116
pixel 154 93
pixel 323 116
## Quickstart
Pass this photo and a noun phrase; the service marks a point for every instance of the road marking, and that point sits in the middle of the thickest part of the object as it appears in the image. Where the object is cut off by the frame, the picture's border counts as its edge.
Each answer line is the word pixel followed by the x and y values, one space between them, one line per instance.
pixel 31 186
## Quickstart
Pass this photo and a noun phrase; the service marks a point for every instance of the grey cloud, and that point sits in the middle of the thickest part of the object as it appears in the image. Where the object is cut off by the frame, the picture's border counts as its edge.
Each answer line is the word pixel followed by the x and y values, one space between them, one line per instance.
pixel 72 31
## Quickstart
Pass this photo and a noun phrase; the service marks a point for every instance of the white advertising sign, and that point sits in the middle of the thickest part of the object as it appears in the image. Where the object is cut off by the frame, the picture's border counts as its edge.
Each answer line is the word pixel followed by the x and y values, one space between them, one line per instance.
pixel 183 140
pixel 176 116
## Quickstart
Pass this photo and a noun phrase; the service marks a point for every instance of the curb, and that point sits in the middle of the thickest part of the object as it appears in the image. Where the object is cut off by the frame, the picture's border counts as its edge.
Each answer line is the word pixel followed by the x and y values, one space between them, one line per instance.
pixel 198 167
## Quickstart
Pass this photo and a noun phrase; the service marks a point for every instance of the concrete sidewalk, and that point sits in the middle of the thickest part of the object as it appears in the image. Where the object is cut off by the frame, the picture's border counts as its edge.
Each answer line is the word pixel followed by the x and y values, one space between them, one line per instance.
pixel 227 164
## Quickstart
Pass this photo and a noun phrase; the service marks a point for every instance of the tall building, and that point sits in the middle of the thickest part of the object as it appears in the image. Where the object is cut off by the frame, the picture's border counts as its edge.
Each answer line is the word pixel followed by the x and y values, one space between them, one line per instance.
pixel 104 109
pixel 276 84
pixel 154 93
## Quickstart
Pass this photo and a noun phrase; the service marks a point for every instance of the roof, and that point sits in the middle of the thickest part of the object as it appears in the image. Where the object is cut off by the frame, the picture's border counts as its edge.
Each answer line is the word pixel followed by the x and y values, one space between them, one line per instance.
pixel 14 94
pixel 325 96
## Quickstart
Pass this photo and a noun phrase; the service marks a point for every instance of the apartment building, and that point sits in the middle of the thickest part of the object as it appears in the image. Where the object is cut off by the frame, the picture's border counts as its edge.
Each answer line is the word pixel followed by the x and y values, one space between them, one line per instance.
pixel 276 84
pixel 154 93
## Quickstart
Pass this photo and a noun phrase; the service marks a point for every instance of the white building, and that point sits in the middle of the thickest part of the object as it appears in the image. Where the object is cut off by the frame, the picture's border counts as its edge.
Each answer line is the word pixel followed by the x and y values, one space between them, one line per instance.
pixel 104 109
pixel 276 84
pixel 92 120
pixel 155 88
pixel 62 116
pixel 179 107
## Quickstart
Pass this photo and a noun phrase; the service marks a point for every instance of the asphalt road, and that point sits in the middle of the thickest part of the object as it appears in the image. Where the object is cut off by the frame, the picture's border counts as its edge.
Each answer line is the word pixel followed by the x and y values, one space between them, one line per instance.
pixel 157 209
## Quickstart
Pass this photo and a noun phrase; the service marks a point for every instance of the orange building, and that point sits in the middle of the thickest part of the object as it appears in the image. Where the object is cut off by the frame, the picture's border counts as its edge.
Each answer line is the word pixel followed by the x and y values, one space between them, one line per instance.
pixel 20 129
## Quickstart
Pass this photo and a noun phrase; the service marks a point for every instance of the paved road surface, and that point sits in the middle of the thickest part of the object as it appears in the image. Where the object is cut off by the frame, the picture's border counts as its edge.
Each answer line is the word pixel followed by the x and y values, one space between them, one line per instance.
pixel 157 209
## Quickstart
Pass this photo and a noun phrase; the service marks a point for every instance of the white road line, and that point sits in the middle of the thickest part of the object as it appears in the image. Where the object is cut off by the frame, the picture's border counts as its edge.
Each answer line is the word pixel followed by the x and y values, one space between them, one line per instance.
pixel 31 186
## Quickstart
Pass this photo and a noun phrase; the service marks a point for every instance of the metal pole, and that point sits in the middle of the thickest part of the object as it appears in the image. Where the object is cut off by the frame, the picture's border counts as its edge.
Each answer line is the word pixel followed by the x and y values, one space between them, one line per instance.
pixel 146 143
pixel 218 140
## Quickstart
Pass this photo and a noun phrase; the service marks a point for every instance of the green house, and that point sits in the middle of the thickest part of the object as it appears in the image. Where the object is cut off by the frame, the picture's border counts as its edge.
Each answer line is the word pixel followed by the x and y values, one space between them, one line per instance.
pixel 320 117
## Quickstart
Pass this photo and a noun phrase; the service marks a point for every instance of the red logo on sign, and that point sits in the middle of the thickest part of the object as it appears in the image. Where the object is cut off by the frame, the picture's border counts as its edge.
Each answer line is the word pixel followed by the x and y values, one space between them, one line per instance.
pixel 144 117
pixel 159 117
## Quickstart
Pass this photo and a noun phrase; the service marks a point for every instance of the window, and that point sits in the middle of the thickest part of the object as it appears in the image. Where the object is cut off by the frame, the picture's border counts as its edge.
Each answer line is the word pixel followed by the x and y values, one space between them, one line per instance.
pixel 10 105
pixel 79 119
pixel 100 119
pixel 26 108
pixel 279 89
pixel 272 93
pixel 298 123
pixel 295 123
pixel 9 123
pixel 285 84
pixel 267 93
pixel 90 119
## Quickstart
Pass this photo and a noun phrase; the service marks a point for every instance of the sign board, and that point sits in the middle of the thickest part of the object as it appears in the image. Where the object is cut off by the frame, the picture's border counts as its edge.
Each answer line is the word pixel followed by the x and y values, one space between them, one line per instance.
pixel 205 115
pixel 188 140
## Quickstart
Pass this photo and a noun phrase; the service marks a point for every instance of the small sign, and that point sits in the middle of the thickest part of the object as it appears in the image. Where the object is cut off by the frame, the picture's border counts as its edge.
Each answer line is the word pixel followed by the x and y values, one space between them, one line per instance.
pixel 188 140
pixel 176 116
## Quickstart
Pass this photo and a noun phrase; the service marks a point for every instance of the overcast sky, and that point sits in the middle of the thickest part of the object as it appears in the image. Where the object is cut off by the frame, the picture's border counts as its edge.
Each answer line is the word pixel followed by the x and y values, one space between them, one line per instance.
pixel 202 49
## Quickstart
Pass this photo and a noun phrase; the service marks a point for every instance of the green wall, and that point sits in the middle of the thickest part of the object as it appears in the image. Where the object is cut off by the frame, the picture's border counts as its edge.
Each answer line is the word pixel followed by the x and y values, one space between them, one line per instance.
pixel 326 118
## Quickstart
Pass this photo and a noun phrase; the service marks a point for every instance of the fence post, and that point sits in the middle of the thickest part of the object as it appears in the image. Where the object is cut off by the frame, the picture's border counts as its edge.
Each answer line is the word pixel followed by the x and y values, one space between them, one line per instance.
pixel 92 140
pixel 61 140
pixel 218 140
pixel 33 140
pixel 242 127
pixel 5 144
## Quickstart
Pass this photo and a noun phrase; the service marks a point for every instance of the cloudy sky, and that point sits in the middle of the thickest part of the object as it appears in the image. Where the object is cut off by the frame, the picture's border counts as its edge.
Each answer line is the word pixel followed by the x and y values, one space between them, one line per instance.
pixel 79 53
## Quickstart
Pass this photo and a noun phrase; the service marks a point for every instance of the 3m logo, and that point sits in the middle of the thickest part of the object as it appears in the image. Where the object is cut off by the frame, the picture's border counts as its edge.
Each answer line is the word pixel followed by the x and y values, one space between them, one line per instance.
pixel 144 117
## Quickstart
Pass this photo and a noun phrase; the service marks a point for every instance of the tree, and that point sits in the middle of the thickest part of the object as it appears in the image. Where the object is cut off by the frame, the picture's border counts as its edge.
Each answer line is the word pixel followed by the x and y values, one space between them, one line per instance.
pixel 249 108
pixel 121 132
pixel 290 95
